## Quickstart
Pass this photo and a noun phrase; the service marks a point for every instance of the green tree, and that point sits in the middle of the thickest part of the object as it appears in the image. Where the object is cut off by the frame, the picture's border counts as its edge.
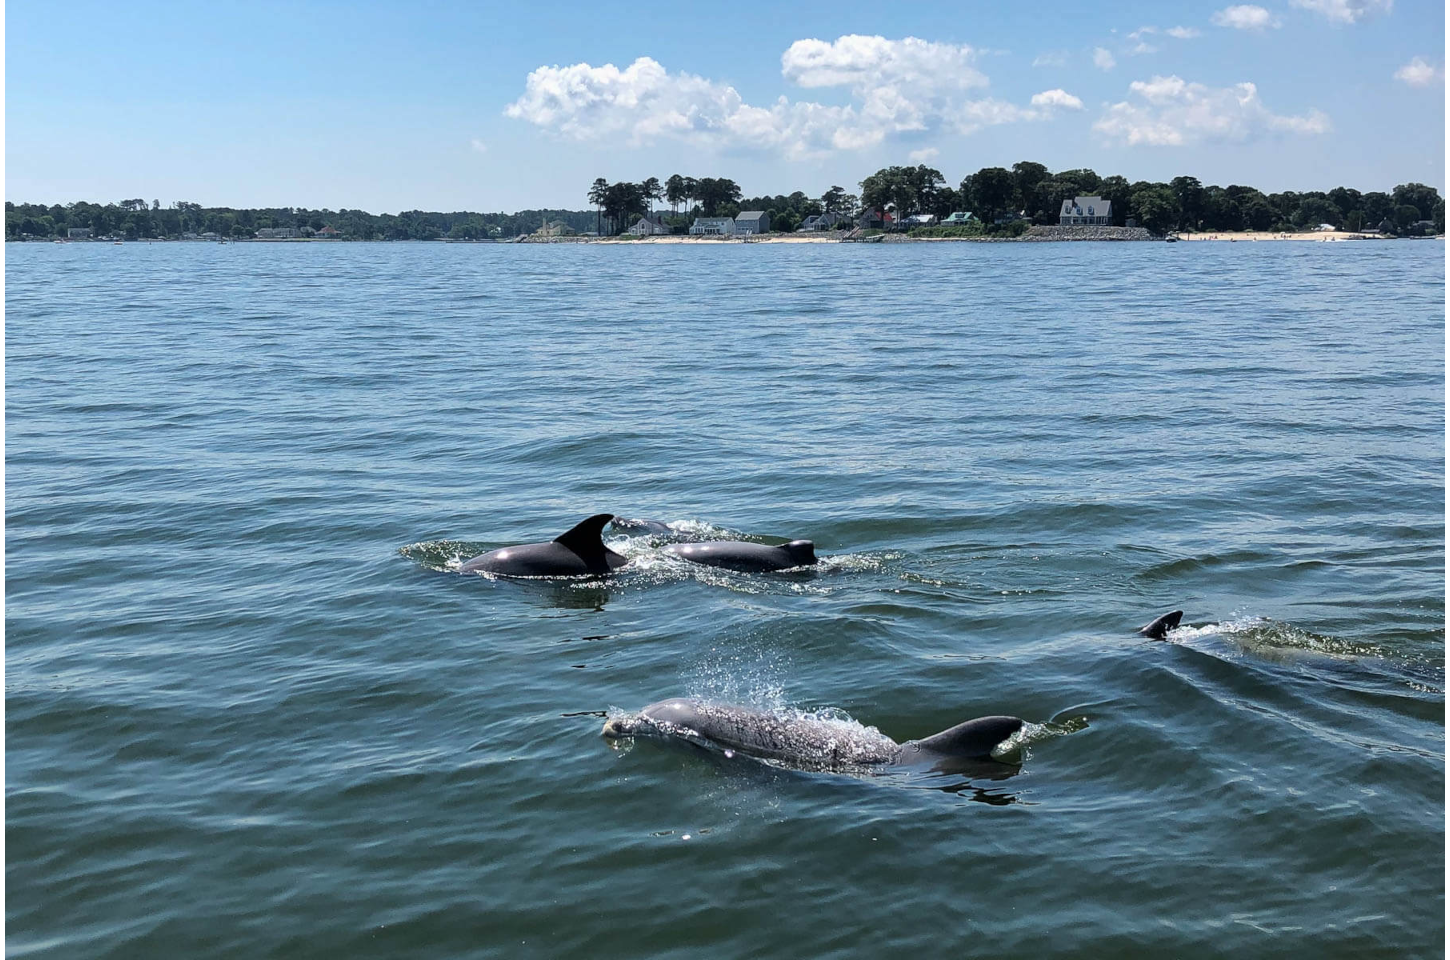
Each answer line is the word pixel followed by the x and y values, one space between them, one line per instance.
pixel 1119 193
pixel 1415 195
pixel 991 191
pixel 1345 200
pixel 597 191
pixel 1087 181
pixel 1155 207
pixel 1026 175
pixel 1316 210
pixel 714 193
pixel 834 200
pixel 1048 197
pixel 675 191
pixel 1405 216
pixel 894 187
pixel 1189 194
pixel 652 191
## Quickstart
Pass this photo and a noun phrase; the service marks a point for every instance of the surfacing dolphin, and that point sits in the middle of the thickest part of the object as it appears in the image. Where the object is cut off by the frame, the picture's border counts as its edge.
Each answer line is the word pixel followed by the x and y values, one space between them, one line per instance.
pixel 578 552
pixel 820 743
pixel 746 557
pixel 1158 629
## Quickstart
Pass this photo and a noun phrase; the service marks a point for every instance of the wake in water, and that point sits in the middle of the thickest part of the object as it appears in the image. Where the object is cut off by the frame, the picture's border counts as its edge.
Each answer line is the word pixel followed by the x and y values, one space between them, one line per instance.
pixel 1275 640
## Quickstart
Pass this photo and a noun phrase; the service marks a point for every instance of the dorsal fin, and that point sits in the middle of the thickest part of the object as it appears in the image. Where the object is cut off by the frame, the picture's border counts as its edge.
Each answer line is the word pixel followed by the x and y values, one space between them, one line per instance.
pixel 1158 629
pixel 974 738
pixel 584 538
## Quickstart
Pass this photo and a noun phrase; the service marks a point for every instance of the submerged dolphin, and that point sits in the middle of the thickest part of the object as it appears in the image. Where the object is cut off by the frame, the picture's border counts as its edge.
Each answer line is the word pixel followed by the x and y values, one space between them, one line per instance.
pixel 578 552
pixel 1158 629
pixel 816 742
pixel 746 557
pixel 653 527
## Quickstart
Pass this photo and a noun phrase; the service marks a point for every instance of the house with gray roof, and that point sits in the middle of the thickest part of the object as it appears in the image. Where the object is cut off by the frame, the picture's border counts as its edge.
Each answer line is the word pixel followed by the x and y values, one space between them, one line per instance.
pixel 712 227
pixel 752 221
pixel 1085 212
pixel 649 227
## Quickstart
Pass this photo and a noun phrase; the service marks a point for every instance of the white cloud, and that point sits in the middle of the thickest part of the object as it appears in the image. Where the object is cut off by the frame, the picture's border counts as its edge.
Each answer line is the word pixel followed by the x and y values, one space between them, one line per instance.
pixel 922 156
pixel 1417 73
pixel 1056 98
pixel 1055 58
pixel 1182 33
pixel 1170 111
pixel 907 86
pixel 478 145
pixel 1102 59
pixel 1244 16
pixel 1344 11
pixel 869 62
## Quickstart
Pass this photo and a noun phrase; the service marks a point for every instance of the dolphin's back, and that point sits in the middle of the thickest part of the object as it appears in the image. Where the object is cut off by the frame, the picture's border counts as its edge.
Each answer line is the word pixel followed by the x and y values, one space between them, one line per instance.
pixel 746 557
pixel 972 740
pixel 799 739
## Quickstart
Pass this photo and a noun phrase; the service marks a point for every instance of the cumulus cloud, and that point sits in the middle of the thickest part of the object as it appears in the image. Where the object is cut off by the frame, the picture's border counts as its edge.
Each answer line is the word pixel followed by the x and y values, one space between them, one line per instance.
pixel 1056 98
pixel 1102 59
pixel 1182 33
pixel 1344 11
pixel 1054 58
pixel 1170 111
pixel 922 156
pixel 1244 16
pixel 865 63
pixel 1417 73
pixel 897 87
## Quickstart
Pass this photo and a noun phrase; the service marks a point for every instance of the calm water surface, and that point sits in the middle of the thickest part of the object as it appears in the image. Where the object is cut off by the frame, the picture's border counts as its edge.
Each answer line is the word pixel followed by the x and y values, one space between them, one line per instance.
pixel 252 711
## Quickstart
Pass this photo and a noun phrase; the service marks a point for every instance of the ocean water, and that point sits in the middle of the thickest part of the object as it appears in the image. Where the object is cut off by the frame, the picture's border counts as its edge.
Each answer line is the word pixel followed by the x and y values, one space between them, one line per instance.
pixel 253 710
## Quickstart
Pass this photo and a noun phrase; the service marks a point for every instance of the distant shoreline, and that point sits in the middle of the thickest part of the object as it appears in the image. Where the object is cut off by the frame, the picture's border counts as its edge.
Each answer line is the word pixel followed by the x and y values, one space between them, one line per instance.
pixel 1250 236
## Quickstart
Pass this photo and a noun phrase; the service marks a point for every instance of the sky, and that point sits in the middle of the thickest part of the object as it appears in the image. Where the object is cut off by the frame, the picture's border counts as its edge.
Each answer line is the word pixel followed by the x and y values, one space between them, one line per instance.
pixel 501 107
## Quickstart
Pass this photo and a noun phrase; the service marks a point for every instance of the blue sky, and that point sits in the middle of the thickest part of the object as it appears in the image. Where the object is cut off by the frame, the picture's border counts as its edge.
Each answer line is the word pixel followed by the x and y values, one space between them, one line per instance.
pixel 474 106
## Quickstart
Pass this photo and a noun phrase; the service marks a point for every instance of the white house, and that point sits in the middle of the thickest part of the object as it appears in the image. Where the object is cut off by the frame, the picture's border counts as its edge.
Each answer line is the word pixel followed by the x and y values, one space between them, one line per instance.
pixel 649 227
pixel 921 220
pixel 752 222
pixel 1086 211
pixel 712 226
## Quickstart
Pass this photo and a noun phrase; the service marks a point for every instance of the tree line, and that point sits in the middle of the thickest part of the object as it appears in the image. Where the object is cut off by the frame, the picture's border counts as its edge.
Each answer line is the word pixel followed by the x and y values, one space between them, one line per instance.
pixel 1001 200
pixel 140 220
pixel 1005 200
pixel 1030 192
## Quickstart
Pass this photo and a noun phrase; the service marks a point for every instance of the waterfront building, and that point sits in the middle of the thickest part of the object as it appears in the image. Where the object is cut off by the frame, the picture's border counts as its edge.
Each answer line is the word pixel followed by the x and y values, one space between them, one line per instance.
pixel 649 227
pixel 752 222
pixel 712 227
pixel 1086 212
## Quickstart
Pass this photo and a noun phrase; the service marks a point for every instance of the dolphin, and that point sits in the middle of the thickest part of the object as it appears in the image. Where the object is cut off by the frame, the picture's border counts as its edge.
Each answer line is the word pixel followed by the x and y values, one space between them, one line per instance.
pixel 656 528
pixel 746 557
pixel 578 552
pixel 821 743
pixel 1158 629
